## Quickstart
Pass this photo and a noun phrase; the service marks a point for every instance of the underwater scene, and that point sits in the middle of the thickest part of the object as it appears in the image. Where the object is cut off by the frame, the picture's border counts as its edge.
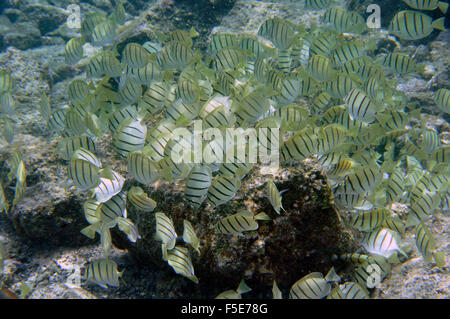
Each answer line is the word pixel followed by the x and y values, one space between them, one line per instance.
pixel 228 149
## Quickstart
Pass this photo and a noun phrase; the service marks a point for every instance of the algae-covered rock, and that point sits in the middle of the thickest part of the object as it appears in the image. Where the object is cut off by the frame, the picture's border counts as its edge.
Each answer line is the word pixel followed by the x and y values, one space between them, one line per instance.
pixel 300 240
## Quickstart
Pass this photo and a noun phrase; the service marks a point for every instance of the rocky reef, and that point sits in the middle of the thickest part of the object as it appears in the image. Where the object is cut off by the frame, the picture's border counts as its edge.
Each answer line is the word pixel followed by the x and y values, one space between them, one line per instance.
pixel 300 240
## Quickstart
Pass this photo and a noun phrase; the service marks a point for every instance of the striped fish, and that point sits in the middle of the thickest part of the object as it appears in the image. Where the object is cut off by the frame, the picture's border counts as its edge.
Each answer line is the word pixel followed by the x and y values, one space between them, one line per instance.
pixel 129 228
pixel 362 180
pixel 130 91
pixel 341 168
pixel 94 68
pixel 300 146
pixel 175 55
pixel 220 117
pixel 110 66
pixel 320 68
pixel 190 237
pixel 89 22
pixel 362 274
pixel 104 33
pixel 165 232
pixel 422 208
pixel 180 260
pixel 197 185
pixel 152 47
pixel 251 107
pixel 347 51
pixel 154 97
pixel 312 286
pixel 322 100
pixel 292 117
pixel 427 246
pixel 183 36
pixel 110 185
pixel 394 223
pixel 427 5
pixel 223 189
pixel 147 74
pixel 349 290
pixel 220 41
pixel 84 169
pixel 442 155
pixel 129 137
pixel 284 60
pixel 274 196
pixel 278 31
pixel 370 220
pixel 316 4
pixel 135 55
pixel 7 82
pixel 120 116
pixel 414 25
pixel 103 272
pixel 90 211
pixel 430 141
pixel 398 62
pixel 342 20
pixel 187 91
pixel 173 171
pixel 289 90
pixel 340 86
pixel 381 242
pixel 112 208
pixel 323 44
pixel 253 47
pixel 73 51
pixel 395 186
pixel 78 90
pixel 69 145
pixel 142 168
pixel 229 59
pixel 442 99
pixel 7 103
pixel 360 106
pixel 74 124
pixel 140 200
pixel 240 222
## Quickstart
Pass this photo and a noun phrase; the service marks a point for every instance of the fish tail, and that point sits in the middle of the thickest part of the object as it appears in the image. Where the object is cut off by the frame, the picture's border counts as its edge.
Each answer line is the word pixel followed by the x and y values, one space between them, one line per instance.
pixel 443 6
pixel 439 24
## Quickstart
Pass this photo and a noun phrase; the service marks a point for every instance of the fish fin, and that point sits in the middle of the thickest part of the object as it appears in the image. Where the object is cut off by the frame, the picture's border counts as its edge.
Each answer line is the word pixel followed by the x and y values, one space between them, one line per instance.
pixel 439 257
pixel 193 33
pixel 262 216
pixel 90 230
pixel 332 276
pixel 443 7
pixel 439 24
pixel 243 288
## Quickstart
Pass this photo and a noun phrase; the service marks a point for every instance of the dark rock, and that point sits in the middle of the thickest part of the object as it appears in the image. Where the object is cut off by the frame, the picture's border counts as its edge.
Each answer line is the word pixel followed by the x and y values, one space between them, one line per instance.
pixel 22 35
pixel 47 18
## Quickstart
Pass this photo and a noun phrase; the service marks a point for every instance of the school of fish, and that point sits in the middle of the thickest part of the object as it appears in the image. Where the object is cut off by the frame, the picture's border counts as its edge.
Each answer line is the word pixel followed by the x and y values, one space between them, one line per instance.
pixel 357 126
